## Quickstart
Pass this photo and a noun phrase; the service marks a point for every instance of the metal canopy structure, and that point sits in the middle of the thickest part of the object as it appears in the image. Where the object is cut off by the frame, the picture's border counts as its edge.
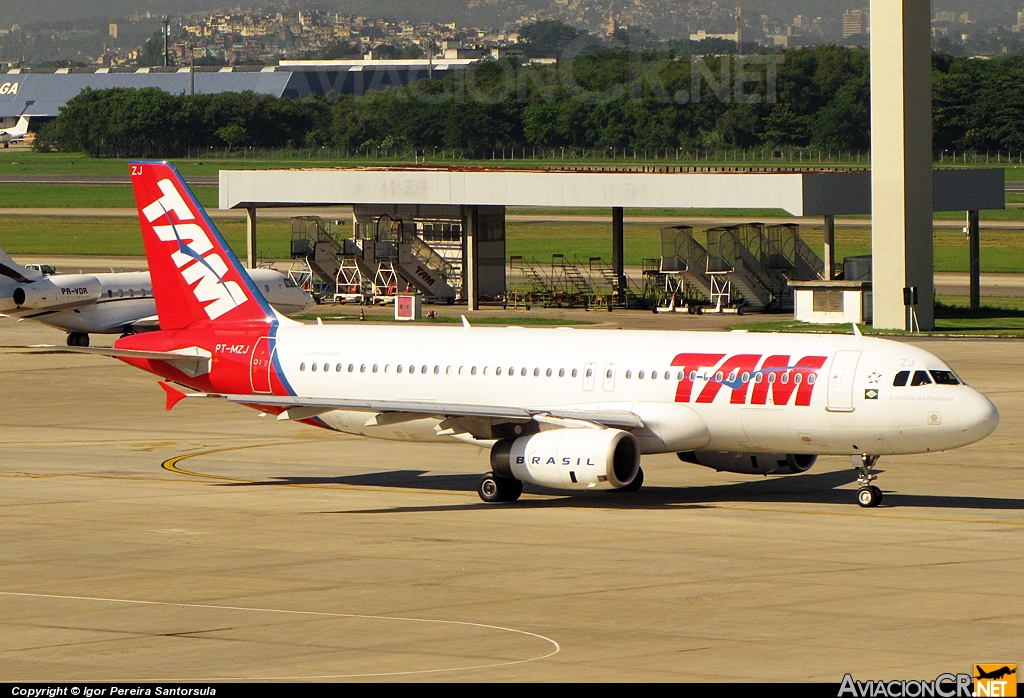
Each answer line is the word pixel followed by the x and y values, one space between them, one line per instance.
pixel 799 193
pixel 824 193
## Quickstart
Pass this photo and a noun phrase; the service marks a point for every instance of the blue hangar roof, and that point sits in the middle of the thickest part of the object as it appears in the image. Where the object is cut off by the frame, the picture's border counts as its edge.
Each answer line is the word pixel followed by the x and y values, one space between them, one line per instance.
pixel 43 94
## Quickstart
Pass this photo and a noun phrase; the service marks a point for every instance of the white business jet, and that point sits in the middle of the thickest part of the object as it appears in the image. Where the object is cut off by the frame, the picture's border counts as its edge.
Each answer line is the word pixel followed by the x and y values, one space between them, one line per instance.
pixel 110 303
pixel 16 133
pixel 560 408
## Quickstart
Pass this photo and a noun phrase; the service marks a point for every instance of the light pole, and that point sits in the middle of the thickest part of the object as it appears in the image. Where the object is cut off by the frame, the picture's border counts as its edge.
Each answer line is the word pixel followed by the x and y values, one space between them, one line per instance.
pixel 167 36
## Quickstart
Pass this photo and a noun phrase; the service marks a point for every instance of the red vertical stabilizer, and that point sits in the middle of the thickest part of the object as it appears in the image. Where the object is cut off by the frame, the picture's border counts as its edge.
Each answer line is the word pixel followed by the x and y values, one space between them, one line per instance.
pixel 196 277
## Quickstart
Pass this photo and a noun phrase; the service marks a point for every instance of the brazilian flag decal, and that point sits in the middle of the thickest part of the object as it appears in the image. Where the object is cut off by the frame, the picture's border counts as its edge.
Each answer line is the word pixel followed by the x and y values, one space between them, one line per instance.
pixel 871 394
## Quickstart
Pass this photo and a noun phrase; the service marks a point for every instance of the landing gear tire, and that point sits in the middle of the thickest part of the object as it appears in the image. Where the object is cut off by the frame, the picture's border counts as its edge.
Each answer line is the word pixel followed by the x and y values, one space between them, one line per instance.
pixel 493 488
pixel 78 339
pixel 869 496
pixel 637 483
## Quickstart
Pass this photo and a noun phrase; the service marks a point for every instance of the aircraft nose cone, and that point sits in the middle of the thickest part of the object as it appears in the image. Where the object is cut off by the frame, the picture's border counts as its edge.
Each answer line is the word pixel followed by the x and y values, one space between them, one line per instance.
pixel 978 416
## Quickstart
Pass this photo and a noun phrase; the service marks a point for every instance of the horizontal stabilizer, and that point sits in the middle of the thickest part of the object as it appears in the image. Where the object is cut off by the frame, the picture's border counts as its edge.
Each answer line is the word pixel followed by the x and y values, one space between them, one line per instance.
pixel 192 364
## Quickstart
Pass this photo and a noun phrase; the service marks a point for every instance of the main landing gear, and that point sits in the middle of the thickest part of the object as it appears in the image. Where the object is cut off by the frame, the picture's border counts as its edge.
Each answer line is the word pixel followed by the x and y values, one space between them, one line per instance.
pixel 493 488
pixel 78 339
pixel 868 495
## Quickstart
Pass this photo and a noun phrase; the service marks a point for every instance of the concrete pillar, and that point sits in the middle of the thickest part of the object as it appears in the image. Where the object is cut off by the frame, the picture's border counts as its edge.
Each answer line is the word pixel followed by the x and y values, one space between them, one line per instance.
pixel 471 257
pixel 618 246
pixel 250 237
pixel 974 233
pixel 901 161
pixel 830 248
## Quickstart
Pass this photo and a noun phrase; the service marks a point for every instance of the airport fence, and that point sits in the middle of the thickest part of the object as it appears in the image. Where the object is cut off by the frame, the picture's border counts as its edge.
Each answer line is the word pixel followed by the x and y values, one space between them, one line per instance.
pixel 737 157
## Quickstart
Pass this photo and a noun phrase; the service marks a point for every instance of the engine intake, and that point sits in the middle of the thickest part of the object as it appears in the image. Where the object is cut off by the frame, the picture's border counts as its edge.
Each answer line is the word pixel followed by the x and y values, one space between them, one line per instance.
pixel 751 463
pixel 570 459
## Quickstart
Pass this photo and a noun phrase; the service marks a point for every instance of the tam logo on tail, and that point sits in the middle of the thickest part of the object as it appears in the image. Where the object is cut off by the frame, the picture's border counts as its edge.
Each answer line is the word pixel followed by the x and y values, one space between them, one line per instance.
pixel 196 277
pixel 194 256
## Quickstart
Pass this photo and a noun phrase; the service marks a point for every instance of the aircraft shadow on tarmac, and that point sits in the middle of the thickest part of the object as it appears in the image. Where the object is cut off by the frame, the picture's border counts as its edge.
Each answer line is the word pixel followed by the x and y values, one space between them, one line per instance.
pixel 807 488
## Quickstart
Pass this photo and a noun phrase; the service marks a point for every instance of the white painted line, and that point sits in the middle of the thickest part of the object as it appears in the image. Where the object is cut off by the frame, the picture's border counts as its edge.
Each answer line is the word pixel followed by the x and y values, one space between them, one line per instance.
pixel 324 614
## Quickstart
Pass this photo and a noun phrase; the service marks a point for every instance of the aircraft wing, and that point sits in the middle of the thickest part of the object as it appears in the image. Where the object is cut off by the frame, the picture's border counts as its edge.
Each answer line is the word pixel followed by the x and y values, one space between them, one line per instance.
pixel 618 419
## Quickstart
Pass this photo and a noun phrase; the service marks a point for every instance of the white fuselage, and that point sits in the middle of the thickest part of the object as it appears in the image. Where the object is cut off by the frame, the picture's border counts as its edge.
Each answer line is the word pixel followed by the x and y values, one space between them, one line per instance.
pixel 745 387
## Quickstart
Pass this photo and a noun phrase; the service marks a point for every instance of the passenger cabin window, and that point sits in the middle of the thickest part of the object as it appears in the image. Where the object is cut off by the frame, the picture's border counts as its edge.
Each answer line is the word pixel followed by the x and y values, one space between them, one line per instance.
pixel 901 379
pixel 920 378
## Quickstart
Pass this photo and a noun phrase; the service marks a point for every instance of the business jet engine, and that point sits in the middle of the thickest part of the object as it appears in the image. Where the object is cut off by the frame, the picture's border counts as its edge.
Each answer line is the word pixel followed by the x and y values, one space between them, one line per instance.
pixel 751 463
pixel 570 459
pixel 54 293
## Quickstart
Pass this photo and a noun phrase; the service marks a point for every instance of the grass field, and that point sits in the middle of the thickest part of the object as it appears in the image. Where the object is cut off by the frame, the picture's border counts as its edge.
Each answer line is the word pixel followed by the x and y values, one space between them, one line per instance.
pixel 1001 251
pixel 999 317
pixel 119 236
pixel 83 196
pixel 28 162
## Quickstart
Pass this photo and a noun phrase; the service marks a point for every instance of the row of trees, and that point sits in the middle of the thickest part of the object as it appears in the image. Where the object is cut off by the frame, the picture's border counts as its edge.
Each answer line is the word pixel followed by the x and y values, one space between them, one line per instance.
pixel 816 98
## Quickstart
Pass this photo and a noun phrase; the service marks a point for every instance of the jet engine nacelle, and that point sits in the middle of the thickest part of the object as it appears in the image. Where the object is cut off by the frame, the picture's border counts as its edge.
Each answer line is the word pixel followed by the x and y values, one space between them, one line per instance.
pixel 751 463
pixel 63 291
pixel 570 459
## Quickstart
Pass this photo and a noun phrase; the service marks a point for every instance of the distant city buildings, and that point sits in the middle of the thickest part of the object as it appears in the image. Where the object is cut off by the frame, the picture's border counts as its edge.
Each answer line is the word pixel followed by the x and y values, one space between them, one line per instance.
pixel 855 22
pixel 237 37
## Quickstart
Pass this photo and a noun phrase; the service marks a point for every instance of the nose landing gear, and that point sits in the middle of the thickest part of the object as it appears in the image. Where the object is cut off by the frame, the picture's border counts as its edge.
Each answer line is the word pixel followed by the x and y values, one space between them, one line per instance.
pixel 868 495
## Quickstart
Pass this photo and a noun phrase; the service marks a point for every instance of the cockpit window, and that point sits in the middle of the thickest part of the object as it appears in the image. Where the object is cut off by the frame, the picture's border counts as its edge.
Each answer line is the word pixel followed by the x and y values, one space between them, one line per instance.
pixel 920 378
pixel 289 283
pixel 945 377
pixel 901 379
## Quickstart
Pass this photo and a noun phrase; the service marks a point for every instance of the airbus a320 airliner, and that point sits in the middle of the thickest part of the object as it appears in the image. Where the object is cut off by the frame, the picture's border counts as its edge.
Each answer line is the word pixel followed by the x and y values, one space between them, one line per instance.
pixel 560 408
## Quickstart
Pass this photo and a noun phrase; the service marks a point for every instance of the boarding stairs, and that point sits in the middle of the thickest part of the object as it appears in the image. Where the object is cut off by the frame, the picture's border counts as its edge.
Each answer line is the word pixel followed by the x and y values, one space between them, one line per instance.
pixel 331 270
pixel 787 252
pixel 729 258
pixel 606 282
pixel 528 284
pixel 569 283
pixel 684 262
